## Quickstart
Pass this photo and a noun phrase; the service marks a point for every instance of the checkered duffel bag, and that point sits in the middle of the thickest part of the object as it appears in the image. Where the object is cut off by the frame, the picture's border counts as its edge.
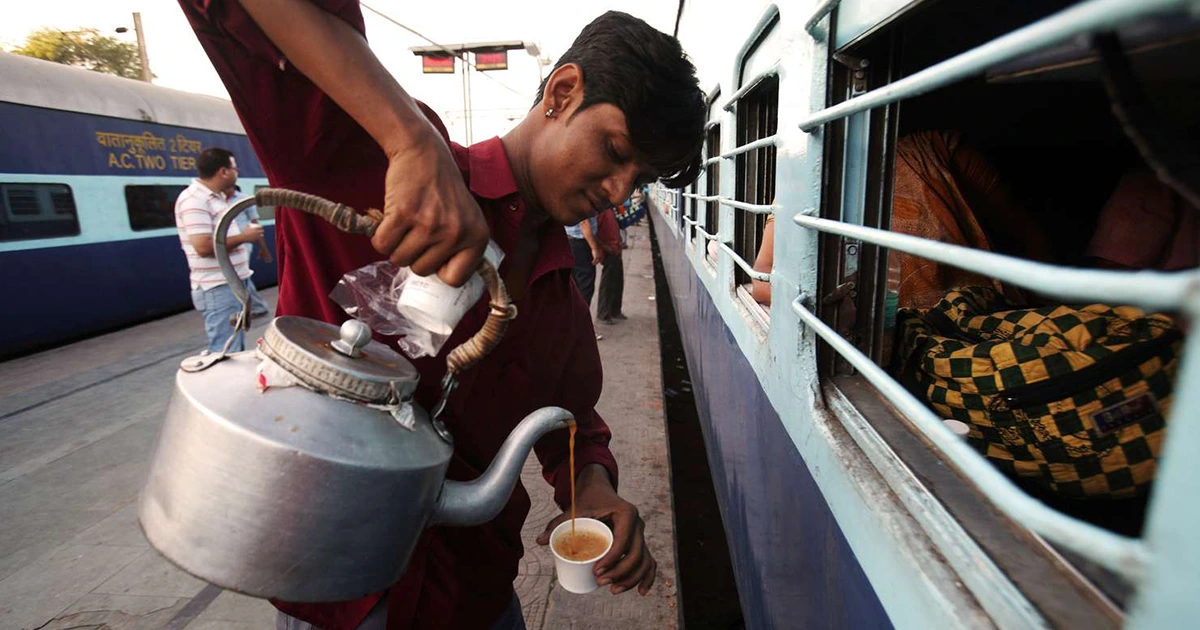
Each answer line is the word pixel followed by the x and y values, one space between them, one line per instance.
pixel 1074 398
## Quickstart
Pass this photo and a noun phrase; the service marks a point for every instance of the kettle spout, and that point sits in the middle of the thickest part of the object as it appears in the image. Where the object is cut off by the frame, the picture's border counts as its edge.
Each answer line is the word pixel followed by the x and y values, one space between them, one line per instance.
pixel 469 503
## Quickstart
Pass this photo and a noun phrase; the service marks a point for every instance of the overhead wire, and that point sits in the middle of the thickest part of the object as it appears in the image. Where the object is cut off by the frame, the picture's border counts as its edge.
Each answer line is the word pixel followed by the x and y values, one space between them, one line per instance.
pixel 450 51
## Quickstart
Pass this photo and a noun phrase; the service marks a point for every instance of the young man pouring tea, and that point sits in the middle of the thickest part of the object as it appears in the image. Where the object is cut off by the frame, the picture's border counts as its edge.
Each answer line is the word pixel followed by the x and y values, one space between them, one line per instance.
pixel 621 108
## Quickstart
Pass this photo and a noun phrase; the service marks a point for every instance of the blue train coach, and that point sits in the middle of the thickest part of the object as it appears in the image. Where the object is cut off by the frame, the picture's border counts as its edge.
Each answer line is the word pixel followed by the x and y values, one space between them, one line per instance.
pixel 847 502
pixel 90 167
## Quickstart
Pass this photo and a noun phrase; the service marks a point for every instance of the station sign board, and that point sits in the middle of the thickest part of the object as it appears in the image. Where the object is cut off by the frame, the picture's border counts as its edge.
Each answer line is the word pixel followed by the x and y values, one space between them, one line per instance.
pixel 437 64
pixel 492 60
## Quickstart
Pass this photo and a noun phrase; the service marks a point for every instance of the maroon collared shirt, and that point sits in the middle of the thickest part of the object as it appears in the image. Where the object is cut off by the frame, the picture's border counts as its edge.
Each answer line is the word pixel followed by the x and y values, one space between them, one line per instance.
pixel 457 577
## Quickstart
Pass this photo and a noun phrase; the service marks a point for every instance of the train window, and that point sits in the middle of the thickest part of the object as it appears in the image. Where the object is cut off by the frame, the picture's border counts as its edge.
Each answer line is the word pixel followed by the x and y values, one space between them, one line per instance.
pixel 36 211
pixel 265 213
pixel 680 210
pixel 757 118
pixel 712 186
pixel 689 201
pixel 152 207
pixel 1026 161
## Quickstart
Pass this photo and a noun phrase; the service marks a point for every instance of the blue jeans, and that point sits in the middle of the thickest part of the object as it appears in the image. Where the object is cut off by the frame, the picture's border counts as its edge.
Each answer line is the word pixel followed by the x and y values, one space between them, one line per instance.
pixel 585 271
pixel 258 306
pixel 510 619
pixel 219 305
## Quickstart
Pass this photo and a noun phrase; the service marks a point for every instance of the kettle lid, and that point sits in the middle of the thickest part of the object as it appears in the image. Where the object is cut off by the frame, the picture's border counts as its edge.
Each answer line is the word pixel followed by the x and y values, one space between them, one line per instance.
pixel 344 361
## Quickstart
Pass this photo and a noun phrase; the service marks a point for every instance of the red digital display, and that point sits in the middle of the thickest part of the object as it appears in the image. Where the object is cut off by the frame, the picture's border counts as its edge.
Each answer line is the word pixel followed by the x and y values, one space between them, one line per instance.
pixel 441 64
pixel 491 60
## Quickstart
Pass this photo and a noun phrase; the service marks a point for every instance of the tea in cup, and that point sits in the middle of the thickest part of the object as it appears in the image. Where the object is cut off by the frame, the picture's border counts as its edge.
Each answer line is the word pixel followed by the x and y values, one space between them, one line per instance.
pixel 576 553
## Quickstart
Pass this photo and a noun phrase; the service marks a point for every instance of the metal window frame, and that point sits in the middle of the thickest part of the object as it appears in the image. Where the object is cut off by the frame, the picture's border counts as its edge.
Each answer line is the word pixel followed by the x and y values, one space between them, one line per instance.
pixel 712 180
pixel 1087 17
pixel 775 70
pixel 825 8
pixel 1161 578
pixel 1151 289
pixel 701 231
pixel 741 262
pixel 769 20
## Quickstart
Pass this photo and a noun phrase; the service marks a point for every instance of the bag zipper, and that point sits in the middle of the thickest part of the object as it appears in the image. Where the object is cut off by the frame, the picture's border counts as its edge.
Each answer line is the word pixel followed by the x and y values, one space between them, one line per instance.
pixel 1106 369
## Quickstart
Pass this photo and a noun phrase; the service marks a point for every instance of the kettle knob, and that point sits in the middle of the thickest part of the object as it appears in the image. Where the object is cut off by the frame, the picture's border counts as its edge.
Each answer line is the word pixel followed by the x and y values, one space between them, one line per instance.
pixel 355 336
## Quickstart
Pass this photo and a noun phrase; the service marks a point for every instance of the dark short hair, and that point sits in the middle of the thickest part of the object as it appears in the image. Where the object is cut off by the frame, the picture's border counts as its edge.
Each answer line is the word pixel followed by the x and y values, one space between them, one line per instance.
pixel 644 73
pixel 212 160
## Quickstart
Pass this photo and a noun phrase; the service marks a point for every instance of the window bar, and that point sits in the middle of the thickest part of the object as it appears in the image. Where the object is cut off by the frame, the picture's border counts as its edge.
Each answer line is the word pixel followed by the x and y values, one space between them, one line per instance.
pixel 701 197
pixel 823 9
pixel 699 230
pixel 1155 290
pixel 769 141
pixel 712 160
pixel 754 208
pixel 1088 17
pixel 1125 556
pixel 747 267
pixel 774 71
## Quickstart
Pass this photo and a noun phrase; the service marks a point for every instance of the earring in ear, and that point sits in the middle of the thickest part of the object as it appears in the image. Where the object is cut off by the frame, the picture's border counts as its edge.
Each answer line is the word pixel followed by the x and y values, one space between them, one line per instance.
pixel 550 113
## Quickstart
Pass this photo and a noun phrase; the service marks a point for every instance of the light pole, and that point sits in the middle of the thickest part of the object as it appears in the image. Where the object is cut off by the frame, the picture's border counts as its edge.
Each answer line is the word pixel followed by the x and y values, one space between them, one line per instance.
pixel 141 44
pixel 535 52
pixel 466 67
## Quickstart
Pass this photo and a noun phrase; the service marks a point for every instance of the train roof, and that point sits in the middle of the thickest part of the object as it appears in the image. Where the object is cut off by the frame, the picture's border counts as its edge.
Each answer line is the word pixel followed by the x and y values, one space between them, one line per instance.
pixel 39 83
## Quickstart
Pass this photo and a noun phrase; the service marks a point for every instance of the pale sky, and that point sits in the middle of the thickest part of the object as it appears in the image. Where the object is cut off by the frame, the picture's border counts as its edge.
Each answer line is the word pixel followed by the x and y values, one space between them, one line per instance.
pixel 178 61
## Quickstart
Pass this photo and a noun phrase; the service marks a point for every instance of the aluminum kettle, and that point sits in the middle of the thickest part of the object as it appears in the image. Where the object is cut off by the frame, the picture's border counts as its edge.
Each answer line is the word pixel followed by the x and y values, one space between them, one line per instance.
pixel 316 492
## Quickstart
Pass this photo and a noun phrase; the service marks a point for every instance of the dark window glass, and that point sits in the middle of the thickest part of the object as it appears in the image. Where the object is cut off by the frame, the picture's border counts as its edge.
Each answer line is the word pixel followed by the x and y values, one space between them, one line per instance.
pixel 758 115
pixel 33 211
pixel 152 207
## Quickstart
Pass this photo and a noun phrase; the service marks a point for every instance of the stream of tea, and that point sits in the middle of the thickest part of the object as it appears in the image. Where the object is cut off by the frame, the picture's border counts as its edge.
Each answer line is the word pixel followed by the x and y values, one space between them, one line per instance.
pixel 571 447
pixel 585 545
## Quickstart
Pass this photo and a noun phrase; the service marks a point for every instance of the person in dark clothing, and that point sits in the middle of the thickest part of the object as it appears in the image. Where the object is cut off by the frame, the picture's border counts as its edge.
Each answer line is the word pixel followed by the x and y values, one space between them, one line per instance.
pixel 612 277
pixel 587 252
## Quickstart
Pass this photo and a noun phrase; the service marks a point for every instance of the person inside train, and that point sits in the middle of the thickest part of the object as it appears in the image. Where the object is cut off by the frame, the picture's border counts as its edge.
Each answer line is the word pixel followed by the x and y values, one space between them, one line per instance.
pixel 612 279
pixel 764 262
pixel 944 189
pixel 622 106
pixel 1146 225
pixel 197 210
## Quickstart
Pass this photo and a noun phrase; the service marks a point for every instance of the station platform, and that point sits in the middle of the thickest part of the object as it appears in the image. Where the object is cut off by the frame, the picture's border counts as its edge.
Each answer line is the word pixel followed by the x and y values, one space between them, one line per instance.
pixel 78 426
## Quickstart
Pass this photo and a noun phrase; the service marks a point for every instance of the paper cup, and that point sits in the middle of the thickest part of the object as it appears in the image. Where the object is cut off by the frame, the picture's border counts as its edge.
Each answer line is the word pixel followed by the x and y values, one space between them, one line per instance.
pixel 436 306
pixel 576 575
pixel 959 428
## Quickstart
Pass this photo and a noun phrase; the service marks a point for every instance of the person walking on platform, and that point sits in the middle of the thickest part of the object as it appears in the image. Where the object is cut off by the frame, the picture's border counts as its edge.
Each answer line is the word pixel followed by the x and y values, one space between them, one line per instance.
pixel 585 248
pixel 622 106
pixel 612 277
pixel 197 210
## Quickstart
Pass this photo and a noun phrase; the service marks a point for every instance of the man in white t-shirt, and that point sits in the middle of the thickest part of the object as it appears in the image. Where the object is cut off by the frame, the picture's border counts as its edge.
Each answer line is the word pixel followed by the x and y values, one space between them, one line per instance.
pixel 196 213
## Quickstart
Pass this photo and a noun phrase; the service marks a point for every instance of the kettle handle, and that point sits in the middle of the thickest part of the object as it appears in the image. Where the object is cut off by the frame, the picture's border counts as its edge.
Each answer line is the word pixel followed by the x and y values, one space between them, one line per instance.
pixel 343 217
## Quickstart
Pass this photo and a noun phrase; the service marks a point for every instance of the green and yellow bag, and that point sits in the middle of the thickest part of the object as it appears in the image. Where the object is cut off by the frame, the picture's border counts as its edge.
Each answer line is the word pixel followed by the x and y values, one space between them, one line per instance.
pixel 1072 397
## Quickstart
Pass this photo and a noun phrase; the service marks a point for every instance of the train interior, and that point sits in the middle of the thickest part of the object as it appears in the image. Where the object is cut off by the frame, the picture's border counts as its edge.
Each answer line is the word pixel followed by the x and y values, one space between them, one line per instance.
pixel 1045 125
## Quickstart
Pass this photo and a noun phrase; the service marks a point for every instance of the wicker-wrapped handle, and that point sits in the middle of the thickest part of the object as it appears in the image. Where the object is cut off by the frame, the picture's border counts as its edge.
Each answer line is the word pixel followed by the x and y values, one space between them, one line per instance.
pixel 346 219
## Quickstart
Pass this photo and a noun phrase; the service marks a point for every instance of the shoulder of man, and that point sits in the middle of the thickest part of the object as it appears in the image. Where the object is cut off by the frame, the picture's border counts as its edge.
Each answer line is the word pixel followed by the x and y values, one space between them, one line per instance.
pixel 193 198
